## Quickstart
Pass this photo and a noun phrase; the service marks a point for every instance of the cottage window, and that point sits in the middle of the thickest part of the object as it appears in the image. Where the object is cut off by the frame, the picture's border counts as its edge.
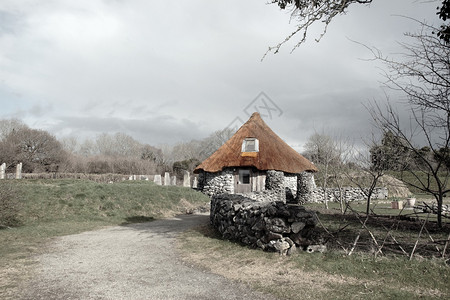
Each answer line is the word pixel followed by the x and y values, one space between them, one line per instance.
pixel 250 145
pixel 244 176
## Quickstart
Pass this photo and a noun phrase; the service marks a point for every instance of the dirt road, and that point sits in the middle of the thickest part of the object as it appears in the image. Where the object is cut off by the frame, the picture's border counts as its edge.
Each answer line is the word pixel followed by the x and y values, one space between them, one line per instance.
pixel 136 261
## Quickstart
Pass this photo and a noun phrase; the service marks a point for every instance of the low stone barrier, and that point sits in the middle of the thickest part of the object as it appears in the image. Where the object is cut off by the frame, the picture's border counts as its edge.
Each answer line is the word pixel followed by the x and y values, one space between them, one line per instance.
pixel 269 225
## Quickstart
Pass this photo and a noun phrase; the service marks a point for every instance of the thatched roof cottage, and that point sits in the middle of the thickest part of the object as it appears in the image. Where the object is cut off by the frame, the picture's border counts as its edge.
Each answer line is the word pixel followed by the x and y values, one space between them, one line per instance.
pixel 254 159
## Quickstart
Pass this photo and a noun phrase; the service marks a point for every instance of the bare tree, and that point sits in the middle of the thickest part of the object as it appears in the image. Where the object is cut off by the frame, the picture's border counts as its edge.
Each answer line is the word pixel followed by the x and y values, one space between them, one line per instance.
pixel 422 74
pixel 364 175
pixel 310 12
pixel 9 125
pixel 321 149
pixel 36 149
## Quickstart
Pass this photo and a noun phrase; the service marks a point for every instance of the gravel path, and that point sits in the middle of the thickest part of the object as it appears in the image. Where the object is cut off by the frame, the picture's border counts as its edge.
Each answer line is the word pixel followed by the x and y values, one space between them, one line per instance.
pixel 136 261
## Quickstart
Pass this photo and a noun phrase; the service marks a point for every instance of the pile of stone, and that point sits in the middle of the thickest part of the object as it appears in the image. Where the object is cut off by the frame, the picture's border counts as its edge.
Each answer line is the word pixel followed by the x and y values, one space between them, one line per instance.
pixel 273 226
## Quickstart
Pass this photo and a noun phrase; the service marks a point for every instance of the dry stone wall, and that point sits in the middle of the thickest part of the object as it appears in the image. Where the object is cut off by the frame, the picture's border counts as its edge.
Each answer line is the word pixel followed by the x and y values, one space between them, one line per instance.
pixel 348 194
pixel 273 226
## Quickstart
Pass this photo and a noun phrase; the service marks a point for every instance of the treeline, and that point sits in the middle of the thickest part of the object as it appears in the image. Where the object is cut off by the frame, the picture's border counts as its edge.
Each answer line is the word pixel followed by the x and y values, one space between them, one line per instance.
pixel 118 153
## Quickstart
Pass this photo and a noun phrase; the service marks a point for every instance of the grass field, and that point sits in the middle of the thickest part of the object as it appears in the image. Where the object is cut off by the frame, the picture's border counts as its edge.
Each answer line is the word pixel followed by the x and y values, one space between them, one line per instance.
pixel 51 208
pixel 328 275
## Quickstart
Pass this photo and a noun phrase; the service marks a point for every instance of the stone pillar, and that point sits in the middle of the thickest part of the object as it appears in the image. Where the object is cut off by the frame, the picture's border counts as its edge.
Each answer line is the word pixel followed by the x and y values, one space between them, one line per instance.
pixel 157 179
pixel 194 184
pixel 305 187
pixel 3 171
pixel 275 182
pixel 19 171
pixel 166 178
pixel 187 179
pixel 173 180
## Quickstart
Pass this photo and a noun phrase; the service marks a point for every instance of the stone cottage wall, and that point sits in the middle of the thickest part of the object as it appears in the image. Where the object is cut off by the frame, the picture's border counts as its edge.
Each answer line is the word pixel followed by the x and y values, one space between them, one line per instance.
pixel 305 187
pixel 290 185
pixel 269 225
pixel 216 183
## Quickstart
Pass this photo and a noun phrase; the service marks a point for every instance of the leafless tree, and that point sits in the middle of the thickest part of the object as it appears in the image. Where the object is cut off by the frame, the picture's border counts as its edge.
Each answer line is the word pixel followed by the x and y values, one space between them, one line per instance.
pixel 422 75
pixel 36 149
pixel 321 149
pixel 9 125
pixel 363 174
pixel 309 12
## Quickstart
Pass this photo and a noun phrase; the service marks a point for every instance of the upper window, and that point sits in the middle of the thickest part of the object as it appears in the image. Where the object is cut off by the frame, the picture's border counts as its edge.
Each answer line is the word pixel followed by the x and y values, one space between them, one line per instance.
pixel 250 145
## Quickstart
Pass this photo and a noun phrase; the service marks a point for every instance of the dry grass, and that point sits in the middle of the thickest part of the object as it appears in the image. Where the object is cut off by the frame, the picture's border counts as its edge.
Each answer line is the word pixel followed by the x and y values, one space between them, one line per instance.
pixel 306 276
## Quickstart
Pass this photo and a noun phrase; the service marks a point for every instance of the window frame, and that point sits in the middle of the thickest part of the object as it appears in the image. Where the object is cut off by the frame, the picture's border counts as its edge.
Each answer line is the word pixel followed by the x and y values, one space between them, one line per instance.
pixel 245 145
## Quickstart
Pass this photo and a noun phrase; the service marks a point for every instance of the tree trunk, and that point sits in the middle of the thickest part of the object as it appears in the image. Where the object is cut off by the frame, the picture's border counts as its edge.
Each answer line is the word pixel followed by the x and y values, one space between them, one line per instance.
pixel 439 212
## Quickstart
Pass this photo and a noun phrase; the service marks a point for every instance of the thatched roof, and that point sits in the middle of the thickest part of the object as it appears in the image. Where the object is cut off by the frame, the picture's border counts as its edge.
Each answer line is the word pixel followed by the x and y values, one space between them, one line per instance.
pixel 273 154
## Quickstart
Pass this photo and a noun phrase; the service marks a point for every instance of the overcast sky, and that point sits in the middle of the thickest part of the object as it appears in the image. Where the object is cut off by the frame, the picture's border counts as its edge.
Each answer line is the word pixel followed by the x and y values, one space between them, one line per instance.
pixel 172 71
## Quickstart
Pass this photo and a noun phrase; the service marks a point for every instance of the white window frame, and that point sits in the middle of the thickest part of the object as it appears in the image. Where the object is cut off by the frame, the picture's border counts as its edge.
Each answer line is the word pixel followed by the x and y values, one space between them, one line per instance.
pixel 245 145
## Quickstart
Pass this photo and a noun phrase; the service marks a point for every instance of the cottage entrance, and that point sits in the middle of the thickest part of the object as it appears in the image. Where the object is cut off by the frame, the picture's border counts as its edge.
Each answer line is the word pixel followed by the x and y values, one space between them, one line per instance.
pixel 243 181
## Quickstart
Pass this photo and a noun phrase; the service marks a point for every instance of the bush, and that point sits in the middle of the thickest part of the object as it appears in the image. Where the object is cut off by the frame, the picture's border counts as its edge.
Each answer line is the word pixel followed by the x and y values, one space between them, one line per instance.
pixel 9 205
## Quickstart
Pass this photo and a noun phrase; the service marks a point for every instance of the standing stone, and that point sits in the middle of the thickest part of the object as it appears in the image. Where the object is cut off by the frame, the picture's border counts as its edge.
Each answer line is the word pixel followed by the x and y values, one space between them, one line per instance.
pixel 19 171
pixel 157 179
pixel 194 184
pixel 173 180
pixel 187 179
pixel 166 178
pixel 2 171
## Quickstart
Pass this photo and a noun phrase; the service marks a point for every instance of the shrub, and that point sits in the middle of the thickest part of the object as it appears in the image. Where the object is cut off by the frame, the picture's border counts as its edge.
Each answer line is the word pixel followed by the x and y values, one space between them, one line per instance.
pixel 9 205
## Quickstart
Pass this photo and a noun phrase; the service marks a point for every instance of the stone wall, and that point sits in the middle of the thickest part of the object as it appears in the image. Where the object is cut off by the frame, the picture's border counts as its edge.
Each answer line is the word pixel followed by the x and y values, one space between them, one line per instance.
pixel 269 225
pixel 216 183
pixel 349 194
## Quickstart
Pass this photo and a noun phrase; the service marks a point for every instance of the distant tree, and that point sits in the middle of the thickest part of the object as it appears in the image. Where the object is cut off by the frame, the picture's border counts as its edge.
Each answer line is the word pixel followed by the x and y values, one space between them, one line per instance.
pixel 392 154
pixel 185 165
pixel 323 151
pixel 36 149
pixel 8 125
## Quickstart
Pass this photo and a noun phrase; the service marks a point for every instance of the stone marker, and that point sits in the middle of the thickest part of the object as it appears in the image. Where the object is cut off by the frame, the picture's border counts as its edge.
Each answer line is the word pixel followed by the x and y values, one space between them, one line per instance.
pixel 187 179
pixel 194 184
pixel 173 180
pixel 157 179
pixel 166 178
pixel 19 171
pixel 2 171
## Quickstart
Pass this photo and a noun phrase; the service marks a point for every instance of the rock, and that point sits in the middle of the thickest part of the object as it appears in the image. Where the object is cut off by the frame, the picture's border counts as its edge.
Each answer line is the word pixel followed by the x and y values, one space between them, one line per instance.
pixel 274 236
pixel 292 250
pixel 297 226
pixel 316 248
